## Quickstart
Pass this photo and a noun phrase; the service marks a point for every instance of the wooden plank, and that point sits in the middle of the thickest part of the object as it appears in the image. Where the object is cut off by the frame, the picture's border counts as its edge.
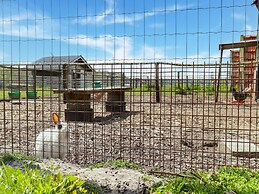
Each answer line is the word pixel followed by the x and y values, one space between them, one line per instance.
pixel 246 154
pixel 219 76
pixel 77 97
pixel 92 90
pixel 79 106
pixel 242 44
pixel 116 96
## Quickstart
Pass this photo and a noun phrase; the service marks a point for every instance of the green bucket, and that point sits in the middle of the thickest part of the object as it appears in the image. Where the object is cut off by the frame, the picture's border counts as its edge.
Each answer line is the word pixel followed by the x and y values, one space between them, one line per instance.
pixel 14 94
pixel 31 94
pixel 97 85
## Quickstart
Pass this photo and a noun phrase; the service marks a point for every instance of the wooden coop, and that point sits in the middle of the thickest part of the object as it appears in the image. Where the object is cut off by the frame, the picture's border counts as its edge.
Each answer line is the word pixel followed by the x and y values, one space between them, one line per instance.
pixel 61 71
pixel 244 65
pixel 65 73
pixel 79 83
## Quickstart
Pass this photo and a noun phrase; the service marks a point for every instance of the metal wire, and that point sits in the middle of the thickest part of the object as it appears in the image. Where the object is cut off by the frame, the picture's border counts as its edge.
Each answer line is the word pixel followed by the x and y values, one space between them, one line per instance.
pixel 134 80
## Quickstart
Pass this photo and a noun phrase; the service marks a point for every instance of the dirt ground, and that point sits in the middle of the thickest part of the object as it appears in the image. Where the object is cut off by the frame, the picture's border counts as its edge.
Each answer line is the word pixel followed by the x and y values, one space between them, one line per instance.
pixel 180 133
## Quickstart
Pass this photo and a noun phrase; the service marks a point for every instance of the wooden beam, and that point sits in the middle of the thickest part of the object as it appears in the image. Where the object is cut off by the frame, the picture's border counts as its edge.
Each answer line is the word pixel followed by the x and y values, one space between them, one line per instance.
pixel 219 76
pixel 241 44
pixel 157 84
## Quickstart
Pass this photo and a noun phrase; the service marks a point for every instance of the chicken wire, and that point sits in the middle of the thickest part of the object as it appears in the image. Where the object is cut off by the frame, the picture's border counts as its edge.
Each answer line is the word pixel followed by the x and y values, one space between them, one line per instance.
pixel 141 81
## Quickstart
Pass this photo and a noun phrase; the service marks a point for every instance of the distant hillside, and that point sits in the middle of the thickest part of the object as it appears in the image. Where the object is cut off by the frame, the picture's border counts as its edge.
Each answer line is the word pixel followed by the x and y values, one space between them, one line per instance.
pixel 12 76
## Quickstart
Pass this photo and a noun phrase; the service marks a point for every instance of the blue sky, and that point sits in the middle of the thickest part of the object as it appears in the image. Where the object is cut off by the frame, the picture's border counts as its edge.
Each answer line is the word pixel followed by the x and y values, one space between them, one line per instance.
pixel 104 30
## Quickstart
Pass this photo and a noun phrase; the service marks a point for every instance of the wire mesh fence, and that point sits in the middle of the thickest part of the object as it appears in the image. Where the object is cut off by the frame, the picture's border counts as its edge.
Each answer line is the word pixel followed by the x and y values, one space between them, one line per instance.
pixel 142 81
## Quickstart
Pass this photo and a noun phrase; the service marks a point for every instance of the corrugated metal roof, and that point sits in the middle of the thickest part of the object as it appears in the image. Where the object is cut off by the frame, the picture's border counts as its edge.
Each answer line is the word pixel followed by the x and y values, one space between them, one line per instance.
pixel 54 63
pixel 58 59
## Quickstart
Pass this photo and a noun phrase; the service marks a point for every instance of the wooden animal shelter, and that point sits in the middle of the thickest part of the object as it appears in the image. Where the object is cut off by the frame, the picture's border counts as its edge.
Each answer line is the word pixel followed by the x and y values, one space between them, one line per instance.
pixel 79 100
pixel 61 71
pixel 79 82
pixel 243 64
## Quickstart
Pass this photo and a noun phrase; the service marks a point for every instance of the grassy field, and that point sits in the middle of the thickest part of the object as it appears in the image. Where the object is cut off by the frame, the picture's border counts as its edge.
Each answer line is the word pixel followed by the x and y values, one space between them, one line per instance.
pixel 15 77
pixel 15 80
pixel 144 90
pixel 207 89
pixel 46 92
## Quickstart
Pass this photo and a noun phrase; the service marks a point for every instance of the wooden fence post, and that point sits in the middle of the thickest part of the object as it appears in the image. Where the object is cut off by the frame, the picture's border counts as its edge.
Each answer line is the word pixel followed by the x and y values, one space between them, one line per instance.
pixel 157 84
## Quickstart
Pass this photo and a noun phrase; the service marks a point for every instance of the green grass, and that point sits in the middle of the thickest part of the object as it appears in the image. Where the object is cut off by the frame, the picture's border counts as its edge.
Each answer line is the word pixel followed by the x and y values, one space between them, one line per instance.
pixel 226 179
pixel 14 181
pixel 3 94
pixel 35 180
pixel 8 74
pixel 31 179
pixel 46 92
pixel 207 89
pixel 15 156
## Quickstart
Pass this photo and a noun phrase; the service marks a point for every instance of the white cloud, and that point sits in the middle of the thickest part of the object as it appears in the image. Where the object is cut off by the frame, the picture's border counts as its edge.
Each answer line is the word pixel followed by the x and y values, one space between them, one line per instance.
pixel 145 56
pixel 250 28
pixel 201 58
pixel 4 57
pixel 245 23
pixel 107 17
pixel 99 18
pixel 123 49
pixel 150 53
pixel 178 7
pixel 239 16
pixel 120 50
pixel 1 56
pixel 157 25
pixel 28 25
pixel 116 47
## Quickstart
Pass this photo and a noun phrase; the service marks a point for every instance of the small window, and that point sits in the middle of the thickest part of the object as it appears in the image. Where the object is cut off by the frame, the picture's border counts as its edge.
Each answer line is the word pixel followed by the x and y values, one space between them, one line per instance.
pixel 76 76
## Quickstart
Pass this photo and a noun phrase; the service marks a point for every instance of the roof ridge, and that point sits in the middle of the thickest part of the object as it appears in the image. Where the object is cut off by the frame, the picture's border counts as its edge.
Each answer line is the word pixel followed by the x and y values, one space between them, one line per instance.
pixel 68 58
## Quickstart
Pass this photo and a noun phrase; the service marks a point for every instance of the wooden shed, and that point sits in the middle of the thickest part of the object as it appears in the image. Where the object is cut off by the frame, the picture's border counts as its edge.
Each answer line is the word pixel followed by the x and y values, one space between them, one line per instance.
pixel 61 71
pixel 243 68
pixel 244 65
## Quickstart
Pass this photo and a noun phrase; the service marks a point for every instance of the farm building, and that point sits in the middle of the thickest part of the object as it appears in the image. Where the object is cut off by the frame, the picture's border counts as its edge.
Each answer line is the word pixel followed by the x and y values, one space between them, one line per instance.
pixel 244 66
pixel 243 74
pixel 61 71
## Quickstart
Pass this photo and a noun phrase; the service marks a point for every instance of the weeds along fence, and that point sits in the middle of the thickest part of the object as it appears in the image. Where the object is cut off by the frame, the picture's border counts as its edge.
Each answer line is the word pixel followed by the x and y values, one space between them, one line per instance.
pixel 134 80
